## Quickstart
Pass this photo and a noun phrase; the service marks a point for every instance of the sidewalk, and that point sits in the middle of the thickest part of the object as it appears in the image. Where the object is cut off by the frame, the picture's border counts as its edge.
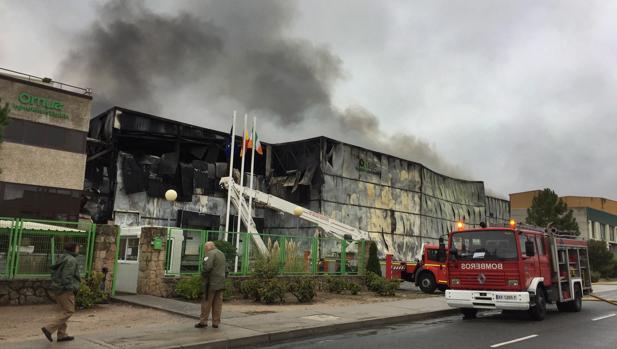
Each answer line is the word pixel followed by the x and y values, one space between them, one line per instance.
pixel 238 330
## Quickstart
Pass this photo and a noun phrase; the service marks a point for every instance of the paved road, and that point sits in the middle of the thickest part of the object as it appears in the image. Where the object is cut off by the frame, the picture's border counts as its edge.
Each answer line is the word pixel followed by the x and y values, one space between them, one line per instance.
pixel 594 327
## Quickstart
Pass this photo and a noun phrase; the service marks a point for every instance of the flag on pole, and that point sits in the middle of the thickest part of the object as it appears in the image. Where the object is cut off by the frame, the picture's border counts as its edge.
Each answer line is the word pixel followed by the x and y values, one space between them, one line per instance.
pixel 247 142
pixel 228 143
pixel 258 147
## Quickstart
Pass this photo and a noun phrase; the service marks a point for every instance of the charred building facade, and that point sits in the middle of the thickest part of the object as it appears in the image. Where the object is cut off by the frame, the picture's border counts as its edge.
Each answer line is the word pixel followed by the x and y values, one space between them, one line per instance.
pixel 136 157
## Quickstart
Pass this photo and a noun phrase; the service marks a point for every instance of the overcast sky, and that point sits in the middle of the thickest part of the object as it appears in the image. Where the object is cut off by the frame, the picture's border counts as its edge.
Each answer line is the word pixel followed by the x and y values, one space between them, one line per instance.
pixel 519 94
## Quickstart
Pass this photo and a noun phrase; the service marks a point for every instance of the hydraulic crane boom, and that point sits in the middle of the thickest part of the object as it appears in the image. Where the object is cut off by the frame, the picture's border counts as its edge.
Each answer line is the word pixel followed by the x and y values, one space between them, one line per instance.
pixel 328 225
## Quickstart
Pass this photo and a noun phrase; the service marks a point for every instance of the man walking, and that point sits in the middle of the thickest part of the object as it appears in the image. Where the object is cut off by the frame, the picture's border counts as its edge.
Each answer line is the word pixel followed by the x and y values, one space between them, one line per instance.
pixel 214 283
pixel 65 281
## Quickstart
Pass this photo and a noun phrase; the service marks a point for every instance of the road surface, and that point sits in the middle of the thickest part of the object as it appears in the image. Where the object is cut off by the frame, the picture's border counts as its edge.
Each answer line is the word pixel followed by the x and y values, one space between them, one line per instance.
pixel 594 327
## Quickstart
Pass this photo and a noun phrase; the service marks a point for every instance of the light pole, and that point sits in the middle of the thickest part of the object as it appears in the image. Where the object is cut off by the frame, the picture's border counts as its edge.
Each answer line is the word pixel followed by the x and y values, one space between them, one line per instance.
pixel 171 196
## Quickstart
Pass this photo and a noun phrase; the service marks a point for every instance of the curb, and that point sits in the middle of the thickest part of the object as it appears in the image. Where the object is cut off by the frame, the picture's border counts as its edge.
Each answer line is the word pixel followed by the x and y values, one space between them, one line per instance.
pixel 155 307
pixel 275 337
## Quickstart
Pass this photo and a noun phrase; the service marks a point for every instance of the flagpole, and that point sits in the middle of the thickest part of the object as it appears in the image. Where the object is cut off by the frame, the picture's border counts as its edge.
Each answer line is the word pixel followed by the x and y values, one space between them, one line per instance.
pixel 243 157
pixel 231 168
pixel 254 145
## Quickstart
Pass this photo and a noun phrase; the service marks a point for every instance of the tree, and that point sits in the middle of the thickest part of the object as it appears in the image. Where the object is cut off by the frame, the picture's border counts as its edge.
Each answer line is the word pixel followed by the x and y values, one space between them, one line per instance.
pixel 373 264
pixel 547 208
pixel 600 258
pixel 4 119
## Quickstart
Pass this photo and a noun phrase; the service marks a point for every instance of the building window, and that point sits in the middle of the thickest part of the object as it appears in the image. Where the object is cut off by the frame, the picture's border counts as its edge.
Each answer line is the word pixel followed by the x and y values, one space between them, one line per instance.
pixel 129 249
pixel 603 232
pixel 32 201
pixel 46 136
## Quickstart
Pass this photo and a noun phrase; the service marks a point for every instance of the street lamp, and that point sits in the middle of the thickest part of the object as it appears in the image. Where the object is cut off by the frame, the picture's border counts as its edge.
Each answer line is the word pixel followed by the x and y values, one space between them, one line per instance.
pixel 171 196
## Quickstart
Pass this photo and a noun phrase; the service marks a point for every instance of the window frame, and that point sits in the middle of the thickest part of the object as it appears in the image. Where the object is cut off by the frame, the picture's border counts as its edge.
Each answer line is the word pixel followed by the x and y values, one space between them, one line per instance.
pixel 123 249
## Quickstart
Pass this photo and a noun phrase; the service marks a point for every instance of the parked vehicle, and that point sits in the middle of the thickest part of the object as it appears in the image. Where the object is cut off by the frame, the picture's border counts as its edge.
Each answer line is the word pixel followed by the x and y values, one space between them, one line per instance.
pixel 516 268
pixel 430 272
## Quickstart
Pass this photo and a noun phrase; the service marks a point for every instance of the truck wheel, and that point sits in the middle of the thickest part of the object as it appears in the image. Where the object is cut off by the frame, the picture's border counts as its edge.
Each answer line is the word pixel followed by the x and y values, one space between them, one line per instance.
pixel 469 313
pixel 426 282
pixel 575 305
pixel 538 311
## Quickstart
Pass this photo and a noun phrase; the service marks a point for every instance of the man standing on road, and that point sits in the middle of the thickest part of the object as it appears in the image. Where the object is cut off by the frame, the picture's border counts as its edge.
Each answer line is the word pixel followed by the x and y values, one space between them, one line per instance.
pixel 214 283
pixel 65 281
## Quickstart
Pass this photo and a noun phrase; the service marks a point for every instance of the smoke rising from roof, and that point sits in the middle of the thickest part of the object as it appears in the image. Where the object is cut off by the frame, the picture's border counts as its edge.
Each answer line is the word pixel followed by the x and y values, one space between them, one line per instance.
pixel 201 62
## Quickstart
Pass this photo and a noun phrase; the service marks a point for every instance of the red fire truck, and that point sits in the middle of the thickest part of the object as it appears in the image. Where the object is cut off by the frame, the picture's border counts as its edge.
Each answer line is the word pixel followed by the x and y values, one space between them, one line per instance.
pixel 428 274
pixel 516 268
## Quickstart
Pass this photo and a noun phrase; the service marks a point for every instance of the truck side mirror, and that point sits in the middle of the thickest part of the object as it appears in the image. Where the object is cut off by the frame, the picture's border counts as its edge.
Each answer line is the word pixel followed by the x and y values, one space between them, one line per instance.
pixel 529 248
pixel 453 253
pixel 441 253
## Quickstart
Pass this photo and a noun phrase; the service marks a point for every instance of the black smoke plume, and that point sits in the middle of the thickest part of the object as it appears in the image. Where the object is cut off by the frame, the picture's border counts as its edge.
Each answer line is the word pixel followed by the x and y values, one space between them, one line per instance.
pixel 201 62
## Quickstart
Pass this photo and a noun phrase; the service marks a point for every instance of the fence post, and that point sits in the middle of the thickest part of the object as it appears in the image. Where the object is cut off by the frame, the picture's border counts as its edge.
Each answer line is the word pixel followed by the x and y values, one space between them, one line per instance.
pixel 115 276
pixel 314 243
pixel 53 250
pixel 11 250
pixel 91 240
pixel 344 257
pixel 362 266
pixel 17 245
pixel 202 253
pixel 168 251
pixel 245 254
pixel 282 257
pixel 388 266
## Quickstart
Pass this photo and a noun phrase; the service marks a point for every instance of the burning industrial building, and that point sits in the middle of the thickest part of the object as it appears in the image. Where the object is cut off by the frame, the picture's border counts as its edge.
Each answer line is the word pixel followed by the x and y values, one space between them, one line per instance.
pixel 134 157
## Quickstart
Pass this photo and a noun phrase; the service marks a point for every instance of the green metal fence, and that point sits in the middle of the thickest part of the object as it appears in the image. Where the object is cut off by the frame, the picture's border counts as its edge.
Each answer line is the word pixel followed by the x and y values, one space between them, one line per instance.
pixel 28 247
pixel 296 255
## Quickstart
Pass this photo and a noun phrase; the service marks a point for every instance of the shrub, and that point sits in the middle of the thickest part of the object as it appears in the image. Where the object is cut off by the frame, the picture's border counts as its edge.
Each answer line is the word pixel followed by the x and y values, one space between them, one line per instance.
pixel 372 281
pixel 272 291
pixel 353 288
pixel 372 265
pixel 600 258
pixel 228 293
pixel 267 267
pixel 250 289
pixel 190 288
pixel 90 292
pixel 336 285
pixel 303 289
pixel 389 288
pixel 595 276
pixel 294 262
pixel 380 285
pixel 228 249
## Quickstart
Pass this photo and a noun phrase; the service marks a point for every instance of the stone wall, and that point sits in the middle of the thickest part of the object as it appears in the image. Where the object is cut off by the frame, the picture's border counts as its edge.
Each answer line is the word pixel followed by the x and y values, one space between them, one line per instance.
pixel 105 252
pixel 35 291
pixel 16 292
pixel 151 275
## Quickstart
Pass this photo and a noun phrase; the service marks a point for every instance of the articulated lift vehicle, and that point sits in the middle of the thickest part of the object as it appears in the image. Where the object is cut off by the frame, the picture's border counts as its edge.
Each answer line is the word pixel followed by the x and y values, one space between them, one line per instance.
pixel 240 194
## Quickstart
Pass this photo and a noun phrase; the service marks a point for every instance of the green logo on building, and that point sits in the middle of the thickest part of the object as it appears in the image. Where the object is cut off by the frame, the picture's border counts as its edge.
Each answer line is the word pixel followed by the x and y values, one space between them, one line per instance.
pixel 41 105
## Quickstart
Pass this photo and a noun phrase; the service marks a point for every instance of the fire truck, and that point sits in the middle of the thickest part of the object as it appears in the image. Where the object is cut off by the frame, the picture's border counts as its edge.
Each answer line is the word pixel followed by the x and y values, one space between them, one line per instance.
pixel 516 268
pixel 428 274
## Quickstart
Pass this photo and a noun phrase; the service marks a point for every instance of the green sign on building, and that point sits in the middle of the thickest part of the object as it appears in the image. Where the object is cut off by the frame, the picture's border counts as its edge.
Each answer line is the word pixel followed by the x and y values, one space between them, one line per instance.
pixel 40 105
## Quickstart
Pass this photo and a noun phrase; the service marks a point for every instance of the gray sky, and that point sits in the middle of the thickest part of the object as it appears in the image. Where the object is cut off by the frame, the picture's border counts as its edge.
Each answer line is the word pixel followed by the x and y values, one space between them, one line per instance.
pixel 520 94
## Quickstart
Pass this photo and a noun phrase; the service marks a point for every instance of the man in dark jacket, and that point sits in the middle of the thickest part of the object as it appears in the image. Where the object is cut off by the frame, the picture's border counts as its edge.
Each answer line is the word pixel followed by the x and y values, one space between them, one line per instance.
pixel 214 284
pixel 65 281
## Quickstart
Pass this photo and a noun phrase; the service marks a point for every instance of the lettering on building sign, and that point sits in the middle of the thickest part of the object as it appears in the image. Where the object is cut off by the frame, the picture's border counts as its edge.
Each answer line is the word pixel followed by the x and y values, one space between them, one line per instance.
pixel 482 266
pixel 373 167
pixel 40 105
